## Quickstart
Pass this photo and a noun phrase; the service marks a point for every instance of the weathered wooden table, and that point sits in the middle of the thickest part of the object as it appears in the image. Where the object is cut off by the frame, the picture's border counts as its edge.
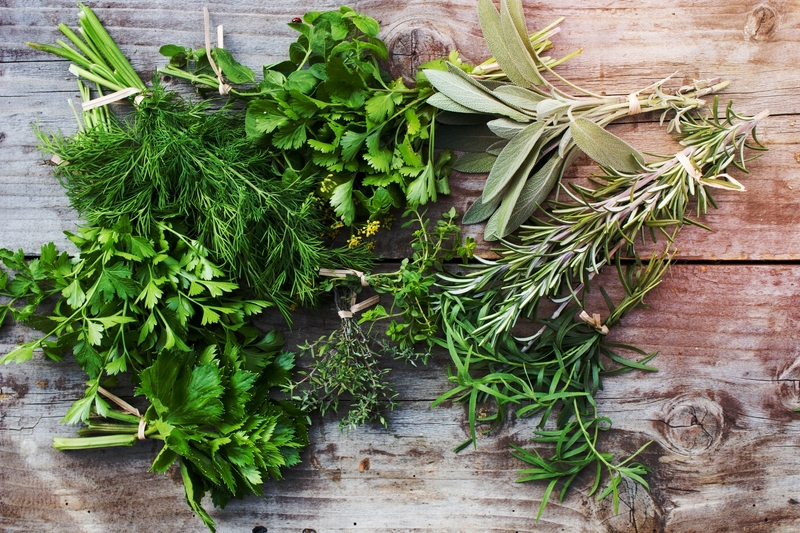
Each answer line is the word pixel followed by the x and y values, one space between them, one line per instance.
pixel 725 321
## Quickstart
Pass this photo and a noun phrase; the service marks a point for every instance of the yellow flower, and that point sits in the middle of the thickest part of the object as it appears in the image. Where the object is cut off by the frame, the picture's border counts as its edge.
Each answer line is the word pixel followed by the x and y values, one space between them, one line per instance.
pixel 354 241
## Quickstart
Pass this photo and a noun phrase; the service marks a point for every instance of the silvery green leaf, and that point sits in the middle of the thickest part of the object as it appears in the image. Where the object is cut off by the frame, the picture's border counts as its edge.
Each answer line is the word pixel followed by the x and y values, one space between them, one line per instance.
pixel 465 138
pixel 513 156
pixel 565 143
pixel 440 101
pixel 515 35
pixel 519 96
pixel 475 163
pixel 486 86
pixel 535 192
pixel 492 84
pixel 468 95
pixel 604 147
pixel 492 33
pixel 479 211
pixel 497 148
pixel 549 107
pixel 500 224
pixel 505 128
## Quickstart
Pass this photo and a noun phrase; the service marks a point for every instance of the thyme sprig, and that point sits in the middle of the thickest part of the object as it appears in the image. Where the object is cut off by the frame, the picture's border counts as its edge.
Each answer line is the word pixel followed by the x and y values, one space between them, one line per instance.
pixel 565 250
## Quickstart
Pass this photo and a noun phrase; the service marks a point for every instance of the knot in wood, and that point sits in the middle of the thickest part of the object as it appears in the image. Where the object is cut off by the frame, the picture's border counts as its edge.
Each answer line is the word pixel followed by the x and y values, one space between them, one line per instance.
pixel 413 42
pixel 761 24
pixel 692 425
pixel 637 510
pixel 789 385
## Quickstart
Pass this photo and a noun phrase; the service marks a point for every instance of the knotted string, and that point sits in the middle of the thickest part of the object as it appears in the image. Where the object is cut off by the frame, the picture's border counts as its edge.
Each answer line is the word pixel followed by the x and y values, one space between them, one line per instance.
pixel 128 408
pixel 594 321
pixel 224 88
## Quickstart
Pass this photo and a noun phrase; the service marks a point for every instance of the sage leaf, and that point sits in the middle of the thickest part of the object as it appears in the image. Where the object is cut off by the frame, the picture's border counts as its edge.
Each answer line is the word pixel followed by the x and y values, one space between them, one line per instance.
pixel 519 97
pixel 511 159
pixel 505 128
pixel 549 107
pixel 536 189
pixel 465 138
pixel 605 148
pixel 459 119
pixel 492 32
pixel 497 147
pixel 480 211
pixel 499 225
pixel 475 163
pixel 445 103
pixel 515 35
pixel 471 96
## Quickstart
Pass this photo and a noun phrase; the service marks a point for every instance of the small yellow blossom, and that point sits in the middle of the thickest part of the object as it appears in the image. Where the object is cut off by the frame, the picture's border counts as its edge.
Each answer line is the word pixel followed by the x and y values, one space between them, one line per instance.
pixel 354 241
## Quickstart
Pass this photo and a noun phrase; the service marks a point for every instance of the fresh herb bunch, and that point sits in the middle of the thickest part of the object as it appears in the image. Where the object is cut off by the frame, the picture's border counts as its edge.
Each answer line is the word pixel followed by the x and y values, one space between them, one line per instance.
pixel 331 112
pixel 412 319
pixel 532 143
pixel 171 159
pixel 555 373
pixel 123 301
pixel 561 253
pixel 346 365
pixel 215 417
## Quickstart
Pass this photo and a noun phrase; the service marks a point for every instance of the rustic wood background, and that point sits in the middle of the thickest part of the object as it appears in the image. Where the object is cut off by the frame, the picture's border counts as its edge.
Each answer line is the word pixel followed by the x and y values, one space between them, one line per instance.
pixel 725 320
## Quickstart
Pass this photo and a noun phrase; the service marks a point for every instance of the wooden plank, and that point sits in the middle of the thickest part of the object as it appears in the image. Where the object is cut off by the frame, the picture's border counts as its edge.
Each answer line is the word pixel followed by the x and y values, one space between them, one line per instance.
pixel 719 411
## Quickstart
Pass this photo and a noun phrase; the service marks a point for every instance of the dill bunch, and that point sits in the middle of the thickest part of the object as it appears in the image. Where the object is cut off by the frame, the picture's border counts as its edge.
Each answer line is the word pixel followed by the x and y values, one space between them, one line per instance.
pixel 173 160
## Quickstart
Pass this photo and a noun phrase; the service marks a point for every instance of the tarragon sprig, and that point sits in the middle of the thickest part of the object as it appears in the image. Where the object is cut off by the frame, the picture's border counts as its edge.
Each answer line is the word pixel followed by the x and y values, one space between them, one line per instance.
pixel 577 239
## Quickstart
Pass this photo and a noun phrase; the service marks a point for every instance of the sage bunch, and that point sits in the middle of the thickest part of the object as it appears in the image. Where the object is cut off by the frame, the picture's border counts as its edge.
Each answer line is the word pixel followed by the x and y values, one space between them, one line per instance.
pixel 536 124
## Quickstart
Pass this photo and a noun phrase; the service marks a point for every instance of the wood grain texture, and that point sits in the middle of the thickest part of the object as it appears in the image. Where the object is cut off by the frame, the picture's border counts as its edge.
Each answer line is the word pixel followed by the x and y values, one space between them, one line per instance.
pixel 725 322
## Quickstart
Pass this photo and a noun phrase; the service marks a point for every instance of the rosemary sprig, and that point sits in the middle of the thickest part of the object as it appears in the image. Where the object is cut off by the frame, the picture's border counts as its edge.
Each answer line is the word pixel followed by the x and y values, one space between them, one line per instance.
pixel 564 251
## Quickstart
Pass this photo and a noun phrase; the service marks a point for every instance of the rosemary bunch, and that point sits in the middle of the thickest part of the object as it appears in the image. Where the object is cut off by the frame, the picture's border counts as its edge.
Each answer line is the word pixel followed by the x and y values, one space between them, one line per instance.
pixel 565 250
pixel 539 123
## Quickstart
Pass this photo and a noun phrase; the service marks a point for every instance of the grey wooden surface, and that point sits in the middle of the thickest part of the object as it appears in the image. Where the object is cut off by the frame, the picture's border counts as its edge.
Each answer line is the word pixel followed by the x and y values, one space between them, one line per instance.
pixel 725 320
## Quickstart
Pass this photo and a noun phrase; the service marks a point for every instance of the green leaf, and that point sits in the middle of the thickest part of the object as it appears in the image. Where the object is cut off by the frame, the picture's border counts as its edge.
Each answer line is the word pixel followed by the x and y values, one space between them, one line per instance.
pixel 468 95
pixel 351 143
pixel 605 148
pixel 519 97
pixel 380 106
pixel 515 35
pixel 513 156
pixel 302 81
pixel 342 202
pixel 74 294
pixel 535 192
pixel 497 226
pixel 94 332
pixel 505 128
pixel 170 50
pixel 493 34
pixel 232 69
pixel 480 211
pixel 290 137
pixel 445 103
pixel 475 163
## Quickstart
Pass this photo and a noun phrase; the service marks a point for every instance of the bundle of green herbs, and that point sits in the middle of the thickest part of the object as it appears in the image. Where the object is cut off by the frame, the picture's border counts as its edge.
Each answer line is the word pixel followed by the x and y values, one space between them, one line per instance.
pixel 172 159
pixel 506 348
